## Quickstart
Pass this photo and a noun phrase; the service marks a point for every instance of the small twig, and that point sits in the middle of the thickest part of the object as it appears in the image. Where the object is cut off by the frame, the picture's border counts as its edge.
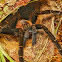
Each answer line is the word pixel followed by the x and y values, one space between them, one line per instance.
pixel 42 49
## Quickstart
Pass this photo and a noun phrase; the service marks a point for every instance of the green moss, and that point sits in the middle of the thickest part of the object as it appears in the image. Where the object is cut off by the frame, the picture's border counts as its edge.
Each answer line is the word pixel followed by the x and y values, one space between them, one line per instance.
pixel 2 52
pixel 61 59
pixel 2 59
pixel 1 13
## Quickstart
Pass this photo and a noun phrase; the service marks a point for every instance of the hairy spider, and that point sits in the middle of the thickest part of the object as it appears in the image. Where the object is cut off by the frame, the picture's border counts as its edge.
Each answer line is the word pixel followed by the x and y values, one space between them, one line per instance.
pixel 25 13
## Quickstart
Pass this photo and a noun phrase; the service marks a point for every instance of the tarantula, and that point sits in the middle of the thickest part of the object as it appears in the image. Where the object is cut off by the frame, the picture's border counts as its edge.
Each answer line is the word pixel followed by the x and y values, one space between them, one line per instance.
pixel 28 12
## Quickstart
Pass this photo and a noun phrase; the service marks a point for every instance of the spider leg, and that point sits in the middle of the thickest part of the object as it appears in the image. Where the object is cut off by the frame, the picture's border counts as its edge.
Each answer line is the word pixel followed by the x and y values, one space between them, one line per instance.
pixel 20 52
pixel 26 36
pixel 33 35
pixel 48 12
pixel 17 32
pixel 34 18
pixel 13 25
pixel 7 31
pixel 40 26
pixel 10 31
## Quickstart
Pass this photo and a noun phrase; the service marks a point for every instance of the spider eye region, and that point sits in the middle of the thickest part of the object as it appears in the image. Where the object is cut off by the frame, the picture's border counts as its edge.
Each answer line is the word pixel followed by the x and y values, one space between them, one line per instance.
pixel 23 24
